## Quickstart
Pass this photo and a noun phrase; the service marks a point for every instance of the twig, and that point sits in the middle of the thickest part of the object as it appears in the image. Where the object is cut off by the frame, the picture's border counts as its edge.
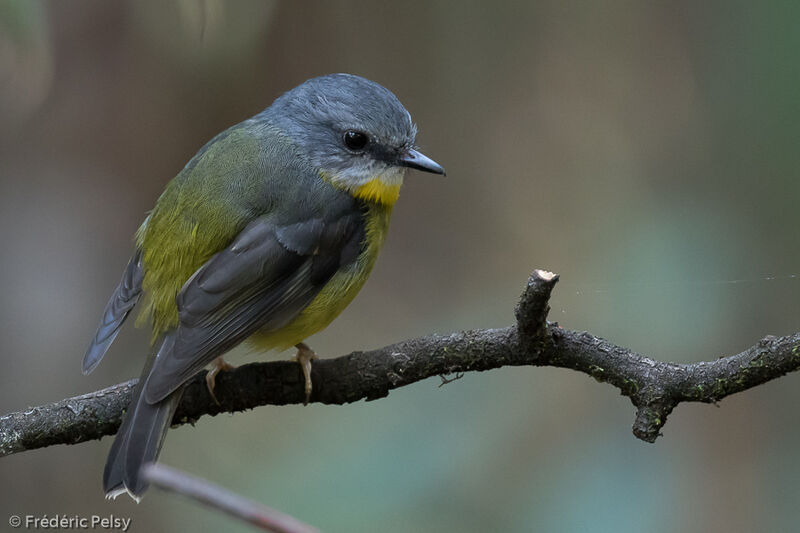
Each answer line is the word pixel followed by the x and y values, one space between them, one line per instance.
pixel 654 387
pixel 216 497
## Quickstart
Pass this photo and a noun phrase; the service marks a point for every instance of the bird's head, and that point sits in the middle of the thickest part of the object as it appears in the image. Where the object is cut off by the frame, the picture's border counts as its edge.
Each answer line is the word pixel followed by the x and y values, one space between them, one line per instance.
pixel 355 132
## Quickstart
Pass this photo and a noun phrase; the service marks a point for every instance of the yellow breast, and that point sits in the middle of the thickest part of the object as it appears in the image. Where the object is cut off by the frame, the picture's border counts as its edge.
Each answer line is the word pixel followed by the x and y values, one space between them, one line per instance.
pixel 337 293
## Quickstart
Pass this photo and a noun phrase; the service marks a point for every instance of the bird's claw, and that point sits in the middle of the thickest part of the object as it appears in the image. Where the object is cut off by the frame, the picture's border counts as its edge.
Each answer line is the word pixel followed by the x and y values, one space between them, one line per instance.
pixel 304 356
pixel 217 365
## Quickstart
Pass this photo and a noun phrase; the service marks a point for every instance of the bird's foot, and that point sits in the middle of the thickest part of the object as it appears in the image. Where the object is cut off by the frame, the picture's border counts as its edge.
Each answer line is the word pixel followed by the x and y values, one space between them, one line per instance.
pixel 304 356
pixel 217 365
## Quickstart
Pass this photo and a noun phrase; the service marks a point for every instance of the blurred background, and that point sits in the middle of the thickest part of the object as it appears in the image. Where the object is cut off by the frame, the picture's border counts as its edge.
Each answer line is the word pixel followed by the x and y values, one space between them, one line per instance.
pixel 647 152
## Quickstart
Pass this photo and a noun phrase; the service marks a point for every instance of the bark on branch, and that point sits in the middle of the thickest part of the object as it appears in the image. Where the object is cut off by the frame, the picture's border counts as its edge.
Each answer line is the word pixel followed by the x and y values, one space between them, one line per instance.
pixel 654 387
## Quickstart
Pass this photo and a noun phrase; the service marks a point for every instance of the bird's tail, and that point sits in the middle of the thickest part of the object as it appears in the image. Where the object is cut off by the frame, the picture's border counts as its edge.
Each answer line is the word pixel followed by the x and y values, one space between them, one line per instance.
pixel 138 441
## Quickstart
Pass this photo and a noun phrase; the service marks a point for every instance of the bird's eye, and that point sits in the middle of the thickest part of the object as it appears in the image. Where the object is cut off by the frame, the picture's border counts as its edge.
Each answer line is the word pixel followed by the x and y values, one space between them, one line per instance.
pixel 355 140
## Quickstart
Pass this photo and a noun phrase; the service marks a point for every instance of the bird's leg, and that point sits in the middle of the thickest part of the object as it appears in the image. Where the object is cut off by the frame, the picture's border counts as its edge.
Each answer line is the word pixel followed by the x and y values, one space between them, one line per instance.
pixel 304 356
pixel 217 365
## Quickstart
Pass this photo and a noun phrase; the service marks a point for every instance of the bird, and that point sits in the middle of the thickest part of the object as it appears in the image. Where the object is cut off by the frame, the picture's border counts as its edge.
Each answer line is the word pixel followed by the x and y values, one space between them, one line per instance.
pixel 265 236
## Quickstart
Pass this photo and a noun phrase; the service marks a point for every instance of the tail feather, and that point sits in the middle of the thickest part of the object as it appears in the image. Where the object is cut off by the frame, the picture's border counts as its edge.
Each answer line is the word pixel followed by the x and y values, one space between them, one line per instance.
pixel 138 441
pixel 117 309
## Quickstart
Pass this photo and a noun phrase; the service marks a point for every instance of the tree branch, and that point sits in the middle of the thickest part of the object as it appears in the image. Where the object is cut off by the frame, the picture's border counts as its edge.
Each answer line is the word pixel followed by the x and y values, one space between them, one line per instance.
pixel 215 497
pixel 655 388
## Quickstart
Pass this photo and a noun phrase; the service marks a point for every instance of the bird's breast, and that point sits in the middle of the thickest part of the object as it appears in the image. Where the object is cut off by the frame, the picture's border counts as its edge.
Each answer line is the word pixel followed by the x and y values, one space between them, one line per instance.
pixel 337 293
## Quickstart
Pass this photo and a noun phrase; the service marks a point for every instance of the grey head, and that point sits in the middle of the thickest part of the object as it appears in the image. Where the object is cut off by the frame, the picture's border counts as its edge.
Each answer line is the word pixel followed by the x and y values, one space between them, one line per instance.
pixel 353 130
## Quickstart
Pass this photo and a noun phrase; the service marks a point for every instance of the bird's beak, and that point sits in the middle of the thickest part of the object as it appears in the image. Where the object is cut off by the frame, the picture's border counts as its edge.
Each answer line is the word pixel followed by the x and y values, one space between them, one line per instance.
pixel 419 161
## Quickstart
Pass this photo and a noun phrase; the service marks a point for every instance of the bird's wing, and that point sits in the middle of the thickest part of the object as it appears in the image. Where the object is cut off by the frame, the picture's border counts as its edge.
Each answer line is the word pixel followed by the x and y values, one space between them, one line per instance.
pixel 117 309
pixel 261 281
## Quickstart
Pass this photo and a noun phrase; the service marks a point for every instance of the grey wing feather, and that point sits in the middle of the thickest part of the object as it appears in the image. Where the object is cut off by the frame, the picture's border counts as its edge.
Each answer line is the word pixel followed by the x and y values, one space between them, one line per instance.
pixel 262 281
pixel 117 309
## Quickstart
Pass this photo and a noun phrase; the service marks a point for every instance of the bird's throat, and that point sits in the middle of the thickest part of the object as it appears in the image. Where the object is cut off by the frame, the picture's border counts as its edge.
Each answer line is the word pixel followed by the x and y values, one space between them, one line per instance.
pixel 377 191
